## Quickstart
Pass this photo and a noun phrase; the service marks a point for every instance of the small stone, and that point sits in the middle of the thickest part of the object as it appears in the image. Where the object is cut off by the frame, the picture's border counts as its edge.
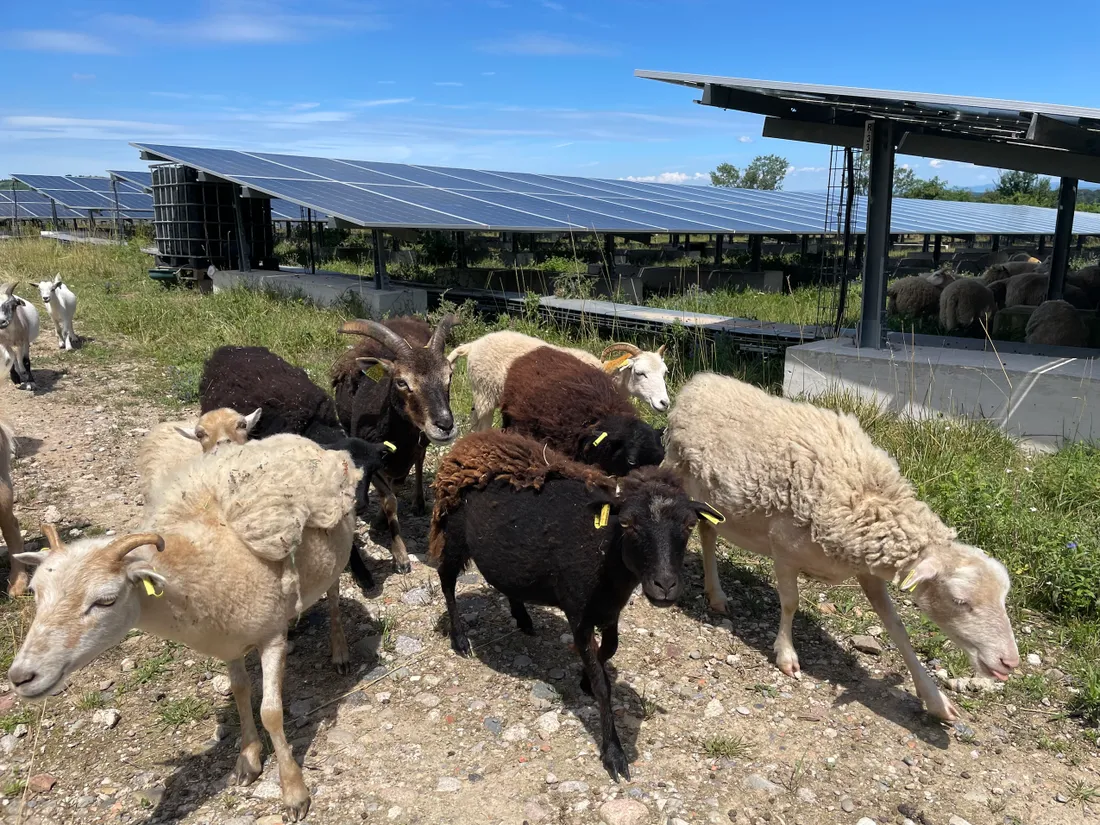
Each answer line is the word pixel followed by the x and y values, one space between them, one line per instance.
pixel 383 698
pixel 52 515
pixel 866 644
pixel 866 820
pixel 1061 799
pixel 108 717
pixel 428 700
pixel 270 819
pixel 744 711
pixel 41 782
pixel 541 690
pixel 807 796
pixel 623 812
pixel 221 684
pixel 516 733
pixel 493 725
pixel 221 731
pixel 20 731
pixel 548 723
pixel 448 784
pixel 268 789
pixel 393 812
pixel 557 673
pixel 713 709
pixel 300 709
pixel 521 661
pixel 106 684
pixel 534 813
pixel 957 820
pixel 1034 660
pixel 7 744
pixel 573 786
pixel 407 646
pixel 551 779
pixel 847 805
pixel 732 659
pixel 874 630
pixel 695 654
pixel 127 665
pixel 417 597
pixel 755 782
pixel 152 796
pixel 963 731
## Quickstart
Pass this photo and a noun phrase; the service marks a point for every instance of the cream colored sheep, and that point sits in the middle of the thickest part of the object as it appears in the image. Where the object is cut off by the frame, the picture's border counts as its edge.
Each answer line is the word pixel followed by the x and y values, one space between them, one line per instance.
pixel 171 444
pixel 1002 272
pixel 244 540
pixel 489 357
pixel 1057 324
pixel 808 488
pixel 1030 289
pixel 965 303
pixel 9 525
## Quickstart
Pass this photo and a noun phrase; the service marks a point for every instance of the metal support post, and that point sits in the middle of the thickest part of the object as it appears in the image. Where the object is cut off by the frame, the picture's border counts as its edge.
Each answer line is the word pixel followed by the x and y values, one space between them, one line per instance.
pixel 1063 231
pixel 53 214
pixel 609 254
pixel 380 281
pixel 719 239
pixel 309 233
pixel 995 243
pixel 937 251
pixel 925 243
pixel 1042 244
pixel 460 249
pixel 243 257
pixel 872 325
pixel 118 210
pixel 755 247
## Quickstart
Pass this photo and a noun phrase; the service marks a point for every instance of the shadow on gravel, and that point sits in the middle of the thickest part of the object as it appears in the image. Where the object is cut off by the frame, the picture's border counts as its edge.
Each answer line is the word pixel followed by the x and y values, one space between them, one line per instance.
pixel 309 682
pixel 754 612
pixel 46 380
pixel 26 446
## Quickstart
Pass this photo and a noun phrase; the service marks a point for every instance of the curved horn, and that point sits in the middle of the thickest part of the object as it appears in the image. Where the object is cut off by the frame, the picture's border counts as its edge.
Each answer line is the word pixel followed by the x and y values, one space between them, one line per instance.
pixel 51 534
pixel 381 334
pixel 120 547
pixel 442 330
pixel 630 349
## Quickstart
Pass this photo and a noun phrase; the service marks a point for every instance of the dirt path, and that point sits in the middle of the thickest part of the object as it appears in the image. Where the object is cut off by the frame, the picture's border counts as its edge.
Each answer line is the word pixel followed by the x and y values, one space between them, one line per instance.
pixel 507 736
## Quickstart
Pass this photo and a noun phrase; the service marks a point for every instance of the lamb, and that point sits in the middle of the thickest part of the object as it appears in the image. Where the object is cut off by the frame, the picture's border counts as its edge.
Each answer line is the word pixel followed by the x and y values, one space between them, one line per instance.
pixel 9 526
pixel 914 296
pixel 60 304
pixel 575 409
pixel 18 330
pixel 394 387
pixel 171 444
pixel 1030 289
pixel 242 542
pixel 1057 324
pixel 807 487
pixel 966 303
pixel 546 530
pixel 1087 280
pixel 641 374
pixel 1004 271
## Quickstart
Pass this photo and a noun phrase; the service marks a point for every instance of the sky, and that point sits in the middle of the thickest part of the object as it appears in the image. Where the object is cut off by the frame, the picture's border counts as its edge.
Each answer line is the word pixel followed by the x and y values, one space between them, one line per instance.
pixel 514 85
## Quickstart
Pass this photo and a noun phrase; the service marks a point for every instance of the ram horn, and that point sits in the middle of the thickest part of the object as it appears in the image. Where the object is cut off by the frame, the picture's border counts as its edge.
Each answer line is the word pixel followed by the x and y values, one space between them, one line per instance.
pixel 381 334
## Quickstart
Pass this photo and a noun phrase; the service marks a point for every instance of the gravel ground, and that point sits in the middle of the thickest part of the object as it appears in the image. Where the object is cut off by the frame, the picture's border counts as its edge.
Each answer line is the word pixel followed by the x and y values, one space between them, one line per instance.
pixel 714 732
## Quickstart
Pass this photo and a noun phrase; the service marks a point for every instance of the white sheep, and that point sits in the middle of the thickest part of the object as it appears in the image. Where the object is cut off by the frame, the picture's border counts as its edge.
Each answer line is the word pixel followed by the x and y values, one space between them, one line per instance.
pixel 171 444
pixel 60 304
pixel 9 526
pixel 489 357
pixel 807 487
pixel 18 330
pixel 915 296
pixel 242 542
pixel 965 303
pixel 1057 324
pixel 1008 269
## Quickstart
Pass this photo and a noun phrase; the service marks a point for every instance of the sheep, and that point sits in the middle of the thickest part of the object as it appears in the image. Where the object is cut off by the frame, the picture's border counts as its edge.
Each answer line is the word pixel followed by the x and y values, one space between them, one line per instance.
pixel 1023 257
pixel 394 386
pixel 488 359
pixel 1030 289
pixel 1088 281
pixel 9 526
pixel 807 487
pixel 18 330
pixel 242 542
pixel 60 304
pixel 1057 324
pixel 544 529
pixel 1004 271
pixel 555 399
pixel 966 303
pixel 913 296
pixel 171 444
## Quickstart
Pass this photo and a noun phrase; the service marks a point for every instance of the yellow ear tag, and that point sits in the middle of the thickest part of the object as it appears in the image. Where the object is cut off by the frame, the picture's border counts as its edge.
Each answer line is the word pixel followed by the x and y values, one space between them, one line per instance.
pixel 152 591
pixel 599 438
pixel 375 373
pixel 389 446
pixel 713 518
pixel 600 521
pixel 908 583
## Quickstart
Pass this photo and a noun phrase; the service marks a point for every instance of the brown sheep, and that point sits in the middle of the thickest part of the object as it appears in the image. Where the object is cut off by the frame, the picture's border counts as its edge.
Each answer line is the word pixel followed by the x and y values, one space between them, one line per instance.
pixel 1088 281
pixel 1057 324
pixel 966 303
pixel 913 297
pixel 1030 289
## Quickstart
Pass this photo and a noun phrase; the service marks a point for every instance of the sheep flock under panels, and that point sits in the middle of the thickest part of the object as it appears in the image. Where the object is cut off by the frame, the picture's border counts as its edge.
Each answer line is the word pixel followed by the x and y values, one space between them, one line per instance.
pixel 574 503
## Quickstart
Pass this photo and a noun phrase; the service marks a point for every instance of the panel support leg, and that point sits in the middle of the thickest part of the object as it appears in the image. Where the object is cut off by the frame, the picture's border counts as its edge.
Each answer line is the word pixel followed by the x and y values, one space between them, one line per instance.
pixel 1063 232
pixel 872 324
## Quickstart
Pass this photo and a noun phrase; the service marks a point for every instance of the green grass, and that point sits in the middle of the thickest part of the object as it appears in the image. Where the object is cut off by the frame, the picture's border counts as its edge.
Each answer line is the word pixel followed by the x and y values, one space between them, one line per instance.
pixel 92 700
pixel 1083 793
pixel 183 711
pixel 9 722
pixel 727 747
pixel 15 787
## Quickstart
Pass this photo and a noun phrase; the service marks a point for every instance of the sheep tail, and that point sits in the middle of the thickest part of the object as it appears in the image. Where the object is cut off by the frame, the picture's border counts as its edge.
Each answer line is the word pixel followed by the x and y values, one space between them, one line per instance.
pixel 460 351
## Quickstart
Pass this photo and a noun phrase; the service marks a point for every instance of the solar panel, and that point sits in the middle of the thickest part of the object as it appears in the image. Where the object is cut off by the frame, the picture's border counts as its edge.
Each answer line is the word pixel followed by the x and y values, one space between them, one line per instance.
pixel 286 211
pixel 26 204
pixel 391 195
pixel 93 193
pixel 143 180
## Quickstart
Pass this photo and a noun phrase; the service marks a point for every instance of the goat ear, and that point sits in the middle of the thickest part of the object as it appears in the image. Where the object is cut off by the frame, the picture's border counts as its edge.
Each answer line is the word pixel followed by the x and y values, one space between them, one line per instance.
pixel 190 435
pixel 251 419
pixel 32 559
pixel 57 279
pixel 926 570
pixel 661 351
pixel 371 366
pixel 53 539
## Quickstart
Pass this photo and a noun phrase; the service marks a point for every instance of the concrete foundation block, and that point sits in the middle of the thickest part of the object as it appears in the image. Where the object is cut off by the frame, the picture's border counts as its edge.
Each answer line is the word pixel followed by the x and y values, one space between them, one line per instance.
pixel 328 288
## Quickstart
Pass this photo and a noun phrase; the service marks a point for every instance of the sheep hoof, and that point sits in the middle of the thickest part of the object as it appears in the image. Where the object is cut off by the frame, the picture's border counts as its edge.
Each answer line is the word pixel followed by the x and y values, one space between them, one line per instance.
pixel 18 586
pixel 789 665
pixel 614 760
pixel 296 801
pixel 461 645
pixel 343 668
pixel 943 708
pixel 719 603
pixel 245 773
pixel 402 567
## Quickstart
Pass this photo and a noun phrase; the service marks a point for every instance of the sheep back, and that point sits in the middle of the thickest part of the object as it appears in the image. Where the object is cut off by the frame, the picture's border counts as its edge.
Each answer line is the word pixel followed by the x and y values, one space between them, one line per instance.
pixel 265 492
pixel 912 296
pixel 162 452
pixel 1088 281
pixel 1008 269
pixel 964 302
pixel 747 452
pixel 1057 324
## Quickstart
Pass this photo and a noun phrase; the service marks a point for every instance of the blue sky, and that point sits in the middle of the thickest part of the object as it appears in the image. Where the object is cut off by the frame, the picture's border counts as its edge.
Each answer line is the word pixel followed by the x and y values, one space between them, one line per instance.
pixel 539 86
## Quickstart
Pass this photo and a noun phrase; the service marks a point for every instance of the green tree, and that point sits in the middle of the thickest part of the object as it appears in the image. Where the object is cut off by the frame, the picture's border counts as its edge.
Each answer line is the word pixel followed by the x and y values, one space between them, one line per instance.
pixel 904 181
pixel 726 175
pixel 764 172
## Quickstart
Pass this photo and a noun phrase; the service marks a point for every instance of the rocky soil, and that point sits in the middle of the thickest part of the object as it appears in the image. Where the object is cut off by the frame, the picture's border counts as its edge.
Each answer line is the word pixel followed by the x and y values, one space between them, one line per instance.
pixel 416 734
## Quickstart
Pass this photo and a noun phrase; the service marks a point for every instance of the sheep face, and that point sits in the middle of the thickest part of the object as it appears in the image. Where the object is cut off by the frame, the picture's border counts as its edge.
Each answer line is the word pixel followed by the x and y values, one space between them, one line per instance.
pixel 224 426
pixel 963 591
pixel 643 376
pixel 619 444
pixel 86 598
pixel 8 305
pixel 46 289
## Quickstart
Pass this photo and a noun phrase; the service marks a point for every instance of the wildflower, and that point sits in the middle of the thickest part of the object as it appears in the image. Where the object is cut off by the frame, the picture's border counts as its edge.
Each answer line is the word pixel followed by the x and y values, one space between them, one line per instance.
pixel 1071 545
pixel 1033 509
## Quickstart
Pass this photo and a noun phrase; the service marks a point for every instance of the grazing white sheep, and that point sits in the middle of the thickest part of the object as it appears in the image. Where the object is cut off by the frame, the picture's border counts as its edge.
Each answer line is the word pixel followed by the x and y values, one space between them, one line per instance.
pixel 489 357
pixel 60 304
pixel 966 302
pixel 18 330
pixel 1057 324
pixel 9 526
pixel 243 541
pixel 807 487
pixel 1004 271
pixel 915 296
pixel 171 444
pixel 1030 289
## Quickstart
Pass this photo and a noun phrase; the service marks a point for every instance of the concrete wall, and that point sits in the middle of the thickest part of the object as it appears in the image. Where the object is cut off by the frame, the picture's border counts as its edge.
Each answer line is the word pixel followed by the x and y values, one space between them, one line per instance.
pixel 328 288
pixel 1044 400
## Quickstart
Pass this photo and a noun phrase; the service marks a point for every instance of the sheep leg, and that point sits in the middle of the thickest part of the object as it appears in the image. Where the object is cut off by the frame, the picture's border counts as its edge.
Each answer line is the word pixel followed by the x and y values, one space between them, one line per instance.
pixel 609 643
pixel 295 793
pixel 338 643
pixel 418 496
pixel 449 570
pixel 250 762
pixel 879 597
pixel 611 749
pixel 712 585
pixel 9 526
pixel 522 617
pixel 397 546
pixel 786 659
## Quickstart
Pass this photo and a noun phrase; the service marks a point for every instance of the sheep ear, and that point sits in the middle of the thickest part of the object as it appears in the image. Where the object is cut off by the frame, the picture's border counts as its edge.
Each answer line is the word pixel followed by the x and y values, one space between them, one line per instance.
pixel 32 559
pixel 374 367
pixel 251 419
pixel 708 512
pixel 141 572
pixel 661 351
pixel 625 365
pixel 926 570
pixel 190 435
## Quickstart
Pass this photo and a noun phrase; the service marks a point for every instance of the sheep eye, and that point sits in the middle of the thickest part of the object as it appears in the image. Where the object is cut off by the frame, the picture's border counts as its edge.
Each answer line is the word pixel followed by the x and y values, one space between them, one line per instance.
pixel 961 603
pixel 402 384
pixel 107 602
pixel 241 425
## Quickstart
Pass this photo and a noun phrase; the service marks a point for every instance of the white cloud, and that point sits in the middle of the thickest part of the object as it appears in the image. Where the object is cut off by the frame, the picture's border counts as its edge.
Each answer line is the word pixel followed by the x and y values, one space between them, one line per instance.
pixel 937 164
pixel 563 145
pixel 487 74
pixel 447 83
pixel 553 6
pixel 805 170
pixel 386 101
pixel 40 122
pixel 44 127
pixel 83 78
pixel 536 44
pixel 295 119
pixel 303 107
pixel 667 177
pixel 54 40
pixel 744 139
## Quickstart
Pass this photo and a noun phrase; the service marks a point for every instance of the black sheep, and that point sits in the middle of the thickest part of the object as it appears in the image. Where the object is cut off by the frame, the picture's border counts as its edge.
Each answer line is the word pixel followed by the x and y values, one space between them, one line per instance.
pixel 547 530
pixel 575 408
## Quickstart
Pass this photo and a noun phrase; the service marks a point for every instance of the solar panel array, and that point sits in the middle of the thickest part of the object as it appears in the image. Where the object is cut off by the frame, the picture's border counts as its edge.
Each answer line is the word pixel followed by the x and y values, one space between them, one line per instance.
pixel 143 179
pixel 92 193
pixel 26 204
pixel 391 195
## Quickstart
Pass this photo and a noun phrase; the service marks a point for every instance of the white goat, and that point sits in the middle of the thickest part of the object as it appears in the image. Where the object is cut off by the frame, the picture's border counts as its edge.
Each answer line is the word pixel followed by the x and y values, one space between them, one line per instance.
pixel 490 356
pixel 9 526
pixel 18 330
pixel 60 304
pixel 243 541
pixel 807 487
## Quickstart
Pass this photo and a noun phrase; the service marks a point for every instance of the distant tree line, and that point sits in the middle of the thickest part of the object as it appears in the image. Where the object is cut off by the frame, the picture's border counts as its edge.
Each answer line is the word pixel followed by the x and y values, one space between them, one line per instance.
pixel 12 184
pixel 764 172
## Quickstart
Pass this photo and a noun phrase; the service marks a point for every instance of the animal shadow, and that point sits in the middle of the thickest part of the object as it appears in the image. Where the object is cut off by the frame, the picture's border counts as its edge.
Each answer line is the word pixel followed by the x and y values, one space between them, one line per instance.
pixel 26 446
pixel 46 380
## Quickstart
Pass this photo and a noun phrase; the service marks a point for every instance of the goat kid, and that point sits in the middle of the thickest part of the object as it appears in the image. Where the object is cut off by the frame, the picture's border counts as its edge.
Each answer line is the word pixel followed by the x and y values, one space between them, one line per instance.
pixel 18 330
pixel 60 304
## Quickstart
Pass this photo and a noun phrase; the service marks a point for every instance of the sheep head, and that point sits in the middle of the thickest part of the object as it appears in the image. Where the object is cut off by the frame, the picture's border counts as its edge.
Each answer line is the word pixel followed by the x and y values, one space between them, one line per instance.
pixel 641 374
pixel 420 376
pixel 963 591
pixel 222 426
pixel 46 289
pixel 87 597
pixel 621 443
pixel 9 303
